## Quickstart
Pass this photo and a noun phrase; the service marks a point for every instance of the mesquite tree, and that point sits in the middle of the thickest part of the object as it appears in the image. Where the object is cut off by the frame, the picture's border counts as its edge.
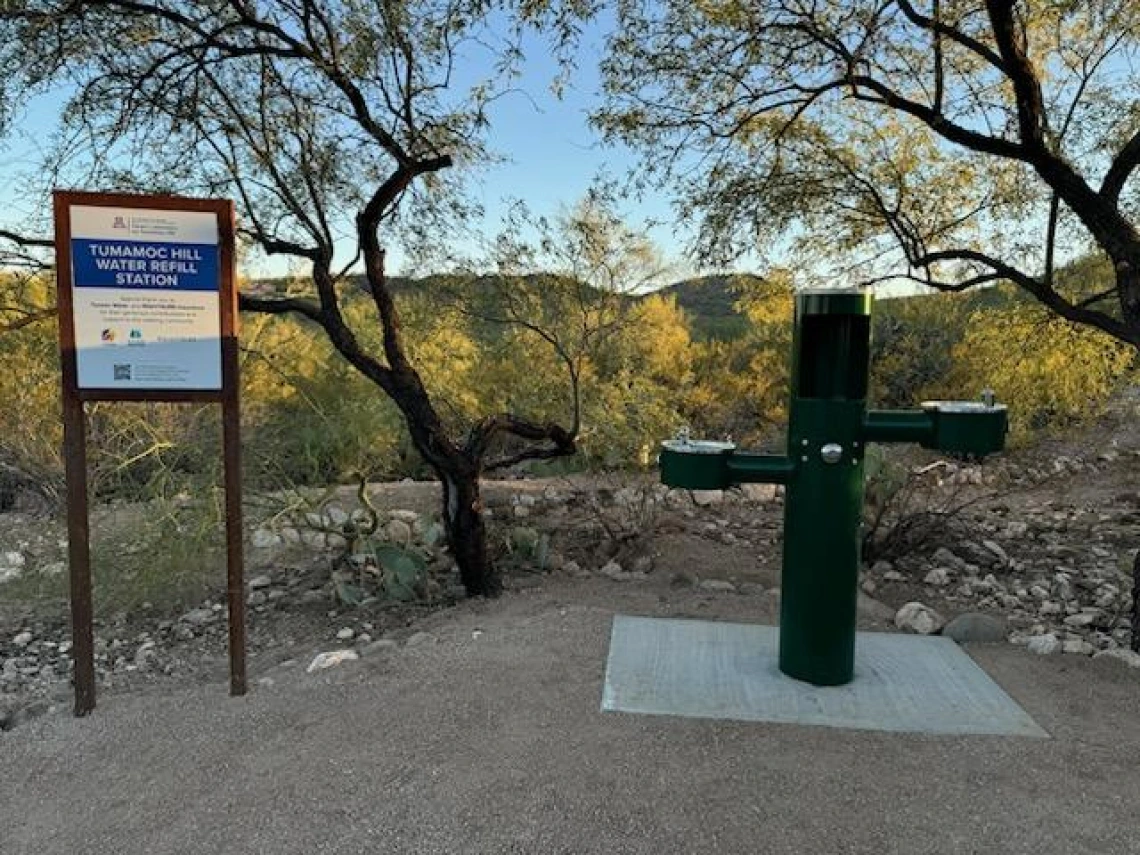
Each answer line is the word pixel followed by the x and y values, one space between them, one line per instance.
pixel 331 123
pixel 948 142
pixel 953 143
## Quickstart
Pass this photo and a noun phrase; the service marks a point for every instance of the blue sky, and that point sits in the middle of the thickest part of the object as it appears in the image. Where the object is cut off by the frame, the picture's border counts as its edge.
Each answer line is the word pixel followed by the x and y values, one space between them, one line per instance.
pixel 550 154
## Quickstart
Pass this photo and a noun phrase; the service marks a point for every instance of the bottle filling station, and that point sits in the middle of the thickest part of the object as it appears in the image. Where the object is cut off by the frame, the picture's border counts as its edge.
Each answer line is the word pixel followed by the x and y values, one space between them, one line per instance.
pixel 828 431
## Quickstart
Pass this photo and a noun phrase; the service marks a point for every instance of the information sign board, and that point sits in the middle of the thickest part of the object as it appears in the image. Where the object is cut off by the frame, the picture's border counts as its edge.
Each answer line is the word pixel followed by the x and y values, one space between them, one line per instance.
pixel 146 298
pixel 147 312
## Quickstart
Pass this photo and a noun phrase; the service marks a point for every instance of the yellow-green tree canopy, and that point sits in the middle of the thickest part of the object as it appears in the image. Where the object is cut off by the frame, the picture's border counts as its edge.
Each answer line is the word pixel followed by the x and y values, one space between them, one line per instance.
pixel 949 142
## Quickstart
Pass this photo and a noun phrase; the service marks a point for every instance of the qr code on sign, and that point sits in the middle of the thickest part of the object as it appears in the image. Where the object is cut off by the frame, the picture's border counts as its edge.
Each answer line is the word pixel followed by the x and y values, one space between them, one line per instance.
pixel 122 372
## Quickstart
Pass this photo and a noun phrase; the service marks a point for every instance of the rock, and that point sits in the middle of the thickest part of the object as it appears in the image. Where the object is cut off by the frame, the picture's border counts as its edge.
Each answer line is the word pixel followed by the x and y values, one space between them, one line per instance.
pixel 1082 619
pixel 875 609
pixel 383 645
pixel 573 568
pixel 939 576
pixel 918 618
pixel 22 639
pixel 520 512
pixel 758 492
pixel 995 548
pixel 314 538
pixel 398 531
pixel 1043 645
pixel 881 566
pixel 146 656
pixel 1129 657
pixel 263 538
pixel 256 598
pixel 331 658
pixel 976 628
pixel 976 553
pixel 946 558
pixel 717 585
pixel 315 520
pixel 612 569
pixel 13 559
pixel 893 576
pixel 707 498
pixel 418 638
pixel 261 581
pixel 643 564
pixel 404 516
pixel 199 617
pixel 1078 647
pixel 346 634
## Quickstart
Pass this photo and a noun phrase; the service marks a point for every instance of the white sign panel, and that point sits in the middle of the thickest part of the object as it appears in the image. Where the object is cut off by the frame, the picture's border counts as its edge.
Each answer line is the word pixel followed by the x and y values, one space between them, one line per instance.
pixel 146 295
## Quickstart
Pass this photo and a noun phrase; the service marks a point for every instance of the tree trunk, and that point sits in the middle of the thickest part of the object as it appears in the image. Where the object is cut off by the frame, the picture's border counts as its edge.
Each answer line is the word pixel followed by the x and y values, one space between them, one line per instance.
pixel 1136 604
pixel 1128 283
pixel 466 531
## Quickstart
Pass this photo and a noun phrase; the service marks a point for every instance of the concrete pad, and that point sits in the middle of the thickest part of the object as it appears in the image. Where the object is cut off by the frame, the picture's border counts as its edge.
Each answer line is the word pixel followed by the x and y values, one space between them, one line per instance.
pixel 903 683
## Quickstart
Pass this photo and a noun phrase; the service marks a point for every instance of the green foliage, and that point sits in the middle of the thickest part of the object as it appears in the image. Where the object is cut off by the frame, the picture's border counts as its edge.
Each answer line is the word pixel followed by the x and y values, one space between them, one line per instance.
pixel 526 548
pixel 1050 372
pixel 310 420
pixel 912 345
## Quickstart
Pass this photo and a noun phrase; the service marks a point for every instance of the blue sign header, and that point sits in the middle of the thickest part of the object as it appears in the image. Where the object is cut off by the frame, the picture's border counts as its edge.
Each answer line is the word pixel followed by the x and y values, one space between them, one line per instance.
pixel 100 263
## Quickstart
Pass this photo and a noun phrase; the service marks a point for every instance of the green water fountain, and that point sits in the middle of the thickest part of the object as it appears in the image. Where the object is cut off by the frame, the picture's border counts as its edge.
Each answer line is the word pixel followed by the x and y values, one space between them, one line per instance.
pixel 828 430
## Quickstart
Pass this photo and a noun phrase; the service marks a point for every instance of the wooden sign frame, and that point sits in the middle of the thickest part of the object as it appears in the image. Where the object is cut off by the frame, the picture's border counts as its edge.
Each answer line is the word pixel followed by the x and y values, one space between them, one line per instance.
pixel 75 434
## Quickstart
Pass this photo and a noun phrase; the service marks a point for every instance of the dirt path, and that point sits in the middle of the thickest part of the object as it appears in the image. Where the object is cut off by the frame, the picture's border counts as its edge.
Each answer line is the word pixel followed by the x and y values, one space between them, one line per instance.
pixel 485 736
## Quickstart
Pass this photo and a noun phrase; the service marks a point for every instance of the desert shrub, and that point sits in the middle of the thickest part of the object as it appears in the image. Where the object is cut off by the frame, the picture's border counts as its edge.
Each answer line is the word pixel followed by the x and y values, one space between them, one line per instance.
pixel 1051 373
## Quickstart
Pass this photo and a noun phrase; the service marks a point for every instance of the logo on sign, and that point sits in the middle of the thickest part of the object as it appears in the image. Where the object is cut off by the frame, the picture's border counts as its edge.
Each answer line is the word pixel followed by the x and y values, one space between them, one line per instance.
pixel 136 334
pixel 107 335
pixel 119 223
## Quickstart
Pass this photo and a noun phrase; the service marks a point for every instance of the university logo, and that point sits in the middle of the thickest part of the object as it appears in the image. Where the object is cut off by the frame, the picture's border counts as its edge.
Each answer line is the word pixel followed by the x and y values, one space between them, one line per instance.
pixel 108 335
pixel 119 223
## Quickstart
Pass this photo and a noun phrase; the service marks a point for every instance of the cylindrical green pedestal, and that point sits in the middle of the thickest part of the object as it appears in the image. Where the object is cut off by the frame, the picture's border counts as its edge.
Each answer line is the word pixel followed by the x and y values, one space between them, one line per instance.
pixel 823 510
pixel 822 516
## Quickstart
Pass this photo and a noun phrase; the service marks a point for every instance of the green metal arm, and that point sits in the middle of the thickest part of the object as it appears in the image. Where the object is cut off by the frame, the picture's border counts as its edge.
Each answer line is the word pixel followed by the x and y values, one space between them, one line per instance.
pixel 746 468
pixel 899 426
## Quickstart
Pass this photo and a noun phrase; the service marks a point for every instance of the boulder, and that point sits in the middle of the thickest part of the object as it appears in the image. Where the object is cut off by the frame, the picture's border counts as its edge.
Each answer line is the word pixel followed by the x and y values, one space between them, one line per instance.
pixel 939 577
pixel 918 618
pixel 707 498
pixel 1043 645
pixel 330 659
pixel 976 628
pixel 1129 657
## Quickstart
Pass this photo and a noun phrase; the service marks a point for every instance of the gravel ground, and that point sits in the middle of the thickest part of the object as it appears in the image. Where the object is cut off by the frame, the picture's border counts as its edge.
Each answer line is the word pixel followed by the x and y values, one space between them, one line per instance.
pixel 485 736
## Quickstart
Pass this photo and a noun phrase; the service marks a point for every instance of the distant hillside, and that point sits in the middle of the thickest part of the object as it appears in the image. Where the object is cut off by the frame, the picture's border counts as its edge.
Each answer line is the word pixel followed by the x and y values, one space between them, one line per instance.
pixel 709 302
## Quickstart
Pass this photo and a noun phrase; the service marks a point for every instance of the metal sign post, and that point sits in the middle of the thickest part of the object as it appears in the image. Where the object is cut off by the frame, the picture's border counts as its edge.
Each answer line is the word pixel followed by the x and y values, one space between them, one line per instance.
pixel 147 312
pixel 828 431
